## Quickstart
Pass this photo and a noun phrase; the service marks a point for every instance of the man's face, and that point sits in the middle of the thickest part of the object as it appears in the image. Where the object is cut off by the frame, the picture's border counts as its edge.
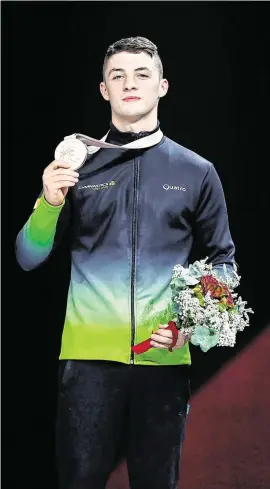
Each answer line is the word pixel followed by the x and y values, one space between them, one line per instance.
pixel 132 85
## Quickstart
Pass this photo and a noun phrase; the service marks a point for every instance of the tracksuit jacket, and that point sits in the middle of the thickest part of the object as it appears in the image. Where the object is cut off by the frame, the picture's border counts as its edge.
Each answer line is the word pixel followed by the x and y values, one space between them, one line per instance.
pixel 133 215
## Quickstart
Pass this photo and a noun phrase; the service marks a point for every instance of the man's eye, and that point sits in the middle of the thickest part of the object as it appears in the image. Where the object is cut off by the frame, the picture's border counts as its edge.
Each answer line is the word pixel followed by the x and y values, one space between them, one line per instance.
pixel 117 77
pixel 143 75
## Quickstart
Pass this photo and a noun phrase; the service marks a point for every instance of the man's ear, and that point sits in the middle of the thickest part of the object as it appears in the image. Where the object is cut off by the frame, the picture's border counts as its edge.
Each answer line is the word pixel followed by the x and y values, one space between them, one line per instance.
pixel 104 91
pixel 164 87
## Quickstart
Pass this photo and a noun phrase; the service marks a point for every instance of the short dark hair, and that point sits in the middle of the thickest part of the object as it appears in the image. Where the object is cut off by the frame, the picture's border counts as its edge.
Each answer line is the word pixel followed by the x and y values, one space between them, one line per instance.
pixel 134 45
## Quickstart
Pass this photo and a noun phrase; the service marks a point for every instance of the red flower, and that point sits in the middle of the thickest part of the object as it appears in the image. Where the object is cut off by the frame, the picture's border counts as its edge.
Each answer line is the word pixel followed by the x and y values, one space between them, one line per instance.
pixel 209 284
pixel 216 289
pixel 230 300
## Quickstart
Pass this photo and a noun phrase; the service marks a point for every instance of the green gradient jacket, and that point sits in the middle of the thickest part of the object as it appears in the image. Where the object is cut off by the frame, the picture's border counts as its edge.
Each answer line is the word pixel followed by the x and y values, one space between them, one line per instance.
pixel 132 217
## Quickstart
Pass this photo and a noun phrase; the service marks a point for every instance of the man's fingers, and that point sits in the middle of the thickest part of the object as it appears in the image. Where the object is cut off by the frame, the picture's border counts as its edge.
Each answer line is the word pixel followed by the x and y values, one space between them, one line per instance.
pixel 161 339
pixel 50 171
pixel 61 184
pixel 60 164
pixel 65 171
pixel 158 345
pixel 165 332
pixel 59 178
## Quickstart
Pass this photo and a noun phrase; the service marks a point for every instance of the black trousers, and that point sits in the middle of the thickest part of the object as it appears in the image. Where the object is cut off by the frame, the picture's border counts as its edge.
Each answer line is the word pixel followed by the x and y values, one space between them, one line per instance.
pixel 110 411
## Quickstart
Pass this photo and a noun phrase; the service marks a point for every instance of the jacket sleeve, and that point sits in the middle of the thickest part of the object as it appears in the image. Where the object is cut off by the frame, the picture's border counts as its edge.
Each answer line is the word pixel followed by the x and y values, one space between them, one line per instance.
pixel 41 233
pixel 211 229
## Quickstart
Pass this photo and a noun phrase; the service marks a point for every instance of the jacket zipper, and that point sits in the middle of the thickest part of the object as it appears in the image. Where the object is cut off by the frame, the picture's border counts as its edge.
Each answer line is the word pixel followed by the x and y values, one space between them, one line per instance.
pixel 133 262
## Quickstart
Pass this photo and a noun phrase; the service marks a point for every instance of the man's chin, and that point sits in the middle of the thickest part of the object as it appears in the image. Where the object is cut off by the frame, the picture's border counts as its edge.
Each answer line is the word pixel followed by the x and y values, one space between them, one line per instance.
pixel 134 115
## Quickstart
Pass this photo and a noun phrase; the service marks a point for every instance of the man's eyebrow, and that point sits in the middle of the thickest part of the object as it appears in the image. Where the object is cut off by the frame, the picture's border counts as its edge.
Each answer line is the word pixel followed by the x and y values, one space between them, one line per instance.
pixel 141 68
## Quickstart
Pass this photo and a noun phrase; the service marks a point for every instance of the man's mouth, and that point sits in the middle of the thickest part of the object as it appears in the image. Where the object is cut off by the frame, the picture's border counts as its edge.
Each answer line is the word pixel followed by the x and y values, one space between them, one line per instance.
pixel 131 99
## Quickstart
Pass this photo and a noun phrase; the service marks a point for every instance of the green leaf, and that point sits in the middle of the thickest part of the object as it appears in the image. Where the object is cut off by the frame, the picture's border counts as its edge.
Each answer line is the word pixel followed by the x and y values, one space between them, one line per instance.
pixel 222 307
pixel 204 338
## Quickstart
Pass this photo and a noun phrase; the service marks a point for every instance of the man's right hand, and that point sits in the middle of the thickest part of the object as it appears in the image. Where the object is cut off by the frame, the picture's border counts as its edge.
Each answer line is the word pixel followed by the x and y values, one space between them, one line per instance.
pixel 57 178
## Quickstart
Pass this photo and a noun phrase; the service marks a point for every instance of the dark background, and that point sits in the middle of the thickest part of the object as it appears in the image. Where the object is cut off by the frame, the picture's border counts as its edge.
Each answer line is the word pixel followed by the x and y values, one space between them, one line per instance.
pixel 215 57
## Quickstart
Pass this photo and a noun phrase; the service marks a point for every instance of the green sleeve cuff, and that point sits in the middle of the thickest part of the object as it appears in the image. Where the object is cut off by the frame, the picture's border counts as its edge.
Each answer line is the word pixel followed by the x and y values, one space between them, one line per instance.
pixel 45 205
pixel 41 226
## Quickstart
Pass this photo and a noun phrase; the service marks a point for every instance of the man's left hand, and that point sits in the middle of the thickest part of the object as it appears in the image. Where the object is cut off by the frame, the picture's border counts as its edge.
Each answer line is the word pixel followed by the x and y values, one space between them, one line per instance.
pixel 163 338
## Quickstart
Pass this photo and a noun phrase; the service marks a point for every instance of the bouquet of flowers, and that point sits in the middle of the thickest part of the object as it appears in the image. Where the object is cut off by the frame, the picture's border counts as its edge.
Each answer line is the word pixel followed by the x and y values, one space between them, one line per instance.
pixel 207 309
pixel 206 305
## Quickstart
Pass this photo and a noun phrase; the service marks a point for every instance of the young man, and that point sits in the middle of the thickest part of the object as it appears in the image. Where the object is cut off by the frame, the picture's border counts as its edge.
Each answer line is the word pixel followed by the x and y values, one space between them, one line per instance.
pixel 133 214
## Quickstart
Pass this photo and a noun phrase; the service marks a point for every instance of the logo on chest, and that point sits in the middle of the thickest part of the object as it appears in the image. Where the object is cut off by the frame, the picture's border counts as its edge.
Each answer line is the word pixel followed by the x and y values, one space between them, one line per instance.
pixel 166 186
pixel 98 186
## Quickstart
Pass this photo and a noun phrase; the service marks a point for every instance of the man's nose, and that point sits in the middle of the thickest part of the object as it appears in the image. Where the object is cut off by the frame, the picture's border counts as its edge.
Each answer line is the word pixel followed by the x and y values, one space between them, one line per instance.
pixel 130 84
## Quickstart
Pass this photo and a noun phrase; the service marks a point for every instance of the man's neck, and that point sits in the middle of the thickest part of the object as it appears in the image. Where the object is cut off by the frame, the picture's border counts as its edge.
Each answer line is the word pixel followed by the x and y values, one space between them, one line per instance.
pixel 142 125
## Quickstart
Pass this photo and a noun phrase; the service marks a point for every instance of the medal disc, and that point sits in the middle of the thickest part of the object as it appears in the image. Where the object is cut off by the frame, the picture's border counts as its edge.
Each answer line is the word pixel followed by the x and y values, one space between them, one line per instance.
pixel 72 151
